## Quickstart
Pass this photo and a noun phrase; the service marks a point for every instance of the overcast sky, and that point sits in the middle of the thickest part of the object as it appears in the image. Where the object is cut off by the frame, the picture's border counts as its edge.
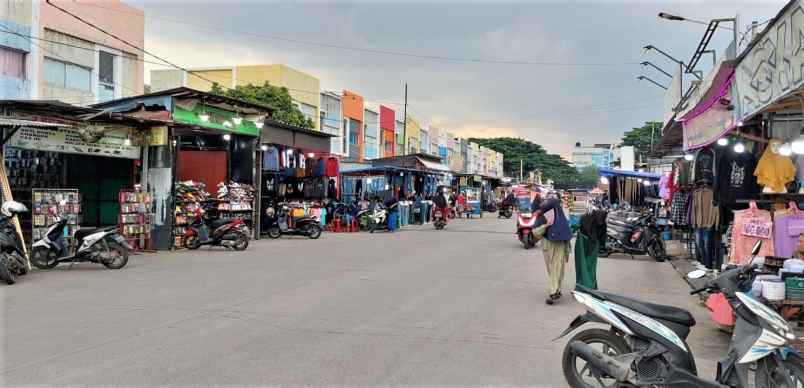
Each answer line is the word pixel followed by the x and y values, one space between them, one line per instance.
pixel 593 96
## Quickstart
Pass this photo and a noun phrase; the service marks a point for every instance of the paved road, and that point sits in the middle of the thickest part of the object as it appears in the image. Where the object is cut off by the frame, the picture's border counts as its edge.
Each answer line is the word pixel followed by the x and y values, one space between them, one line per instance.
pixel 460 307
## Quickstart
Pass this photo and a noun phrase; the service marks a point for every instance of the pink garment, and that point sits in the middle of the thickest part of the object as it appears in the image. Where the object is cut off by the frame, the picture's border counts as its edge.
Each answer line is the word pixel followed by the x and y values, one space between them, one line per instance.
pixel 664 189
pixel 722 313
pixel 748 225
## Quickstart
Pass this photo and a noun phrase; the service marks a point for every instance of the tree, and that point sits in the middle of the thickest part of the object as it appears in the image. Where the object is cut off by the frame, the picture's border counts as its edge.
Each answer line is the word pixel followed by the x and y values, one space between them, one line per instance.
pixel 274 97
pixel 533 157
pixel 643 138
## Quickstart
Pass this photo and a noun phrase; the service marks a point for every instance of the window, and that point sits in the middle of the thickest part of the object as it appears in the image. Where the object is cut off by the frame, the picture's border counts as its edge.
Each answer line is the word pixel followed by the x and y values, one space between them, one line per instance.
pixel 67 75
pixel 106 82
pixel 12 63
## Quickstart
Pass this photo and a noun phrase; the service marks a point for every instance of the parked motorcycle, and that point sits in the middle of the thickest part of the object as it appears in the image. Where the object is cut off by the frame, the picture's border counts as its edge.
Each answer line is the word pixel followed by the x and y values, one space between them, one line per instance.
pixel 633 233
pixel 645 344
pixel 525 222
pixel 506 211
pixel 302 226
pixel 439 218
pixel 94 245
pixel 12 256
pixel 229 233
pixel 380 219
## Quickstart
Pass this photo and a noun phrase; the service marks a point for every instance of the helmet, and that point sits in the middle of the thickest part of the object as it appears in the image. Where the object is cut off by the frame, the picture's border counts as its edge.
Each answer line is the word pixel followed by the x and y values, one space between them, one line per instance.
pixel 11 208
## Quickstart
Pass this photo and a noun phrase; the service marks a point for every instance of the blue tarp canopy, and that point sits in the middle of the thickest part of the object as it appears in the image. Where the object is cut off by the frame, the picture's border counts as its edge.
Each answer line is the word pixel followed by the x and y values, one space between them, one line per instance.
pixel 608 172
pixel 375 170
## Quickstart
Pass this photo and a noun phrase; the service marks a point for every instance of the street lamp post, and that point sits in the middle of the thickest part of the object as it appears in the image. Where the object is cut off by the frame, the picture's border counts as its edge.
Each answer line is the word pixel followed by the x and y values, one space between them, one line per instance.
pixel 642 77
pixel 668 16
pixel 647 63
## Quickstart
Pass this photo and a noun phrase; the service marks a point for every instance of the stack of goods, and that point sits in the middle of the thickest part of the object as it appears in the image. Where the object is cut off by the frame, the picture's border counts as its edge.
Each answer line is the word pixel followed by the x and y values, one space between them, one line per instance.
pixel 235 197
pixel 135 217
pixel 189 196
pixel 48 204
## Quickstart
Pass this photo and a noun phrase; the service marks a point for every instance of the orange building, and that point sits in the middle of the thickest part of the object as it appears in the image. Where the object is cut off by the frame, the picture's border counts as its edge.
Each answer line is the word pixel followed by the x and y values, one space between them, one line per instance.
pixel 353 107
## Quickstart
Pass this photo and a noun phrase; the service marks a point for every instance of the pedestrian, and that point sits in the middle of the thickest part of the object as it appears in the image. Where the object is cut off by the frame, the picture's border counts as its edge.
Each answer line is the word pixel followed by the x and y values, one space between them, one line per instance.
pixel 555 245
pixel 461 202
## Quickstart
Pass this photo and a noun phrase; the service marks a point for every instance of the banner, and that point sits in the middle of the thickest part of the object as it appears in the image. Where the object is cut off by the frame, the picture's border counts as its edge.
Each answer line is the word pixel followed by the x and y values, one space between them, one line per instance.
pixel 672 96
pixel 69 140
pixel 772 68
pixel 708 126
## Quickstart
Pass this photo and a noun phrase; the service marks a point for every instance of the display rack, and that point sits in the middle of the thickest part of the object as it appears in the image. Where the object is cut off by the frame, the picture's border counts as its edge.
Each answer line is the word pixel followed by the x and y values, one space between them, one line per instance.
pixel 47 204
pixel 27 169
pixel 235 200
pixel 135 218
pixel 190 196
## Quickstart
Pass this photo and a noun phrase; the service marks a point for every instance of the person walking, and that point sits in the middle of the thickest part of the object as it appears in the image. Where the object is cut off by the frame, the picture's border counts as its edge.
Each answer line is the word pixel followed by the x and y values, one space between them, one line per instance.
pixel 555 245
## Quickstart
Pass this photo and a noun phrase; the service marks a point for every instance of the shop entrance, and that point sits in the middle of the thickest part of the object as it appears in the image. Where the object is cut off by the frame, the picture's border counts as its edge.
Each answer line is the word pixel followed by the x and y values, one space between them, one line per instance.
pixel 99 180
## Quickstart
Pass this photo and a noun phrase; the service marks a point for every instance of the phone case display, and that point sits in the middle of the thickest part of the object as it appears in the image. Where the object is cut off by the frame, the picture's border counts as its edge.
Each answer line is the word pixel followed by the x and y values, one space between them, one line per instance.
pixel 49 203
pixel 28 169
pixel 189 197
pixel 135 217
pixel 235 200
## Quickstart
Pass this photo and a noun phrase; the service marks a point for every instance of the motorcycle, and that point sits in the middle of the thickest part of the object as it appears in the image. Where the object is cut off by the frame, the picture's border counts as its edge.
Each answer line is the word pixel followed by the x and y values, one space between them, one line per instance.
pixel 94 245
pixel 645 343
pixel 525 224
pixel 506 211
pixel 303 226
pixel 231 233
pixel 439 218
pixel 12 256
pixel 632 232
pixel 380 218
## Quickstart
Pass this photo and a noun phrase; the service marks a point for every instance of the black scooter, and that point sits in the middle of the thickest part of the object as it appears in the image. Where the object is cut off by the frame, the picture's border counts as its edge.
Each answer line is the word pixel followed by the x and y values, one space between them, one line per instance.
pixel 633 233
pixel 303 226
pixel 506 211
pixel 12 256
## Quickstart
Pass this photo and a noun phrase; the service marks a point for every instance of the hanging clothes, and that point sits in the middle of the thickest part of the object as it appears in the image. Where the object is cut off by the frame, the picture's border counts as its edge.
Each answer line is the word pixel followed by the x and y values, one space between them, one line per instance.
pixel 664 189
pixel 270 159
pixel 704 166
pixel 750 225
pixel 787 226
pixel 774 171
pixel 735 179
pixel 332 169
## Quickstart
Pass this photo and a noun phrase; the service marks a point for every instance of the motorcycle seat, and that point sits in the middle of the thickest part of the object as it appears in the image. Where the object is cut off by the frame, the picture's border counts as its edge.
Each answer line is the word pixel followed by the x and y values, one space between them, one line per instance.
pixel 215 224
pixel 657 311
pixel 83 232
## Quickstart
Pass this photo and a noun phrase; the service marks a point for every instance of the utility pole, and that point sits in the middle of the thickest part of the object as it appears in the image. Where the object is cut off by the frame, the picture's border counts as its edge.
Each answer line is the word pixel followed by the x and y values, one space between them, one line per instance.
pixel 521 167
pixel 405 125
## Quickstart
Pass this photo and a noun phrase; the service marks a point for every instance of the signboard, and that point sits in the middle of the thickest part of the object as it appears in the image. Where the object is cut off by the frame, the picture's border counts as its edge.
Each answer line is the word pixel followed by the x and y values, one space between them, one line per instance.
pixel 708 126
pixel 219 119
pixel 772 68
pixel 672 96
pixel 69 140
pixel 158 136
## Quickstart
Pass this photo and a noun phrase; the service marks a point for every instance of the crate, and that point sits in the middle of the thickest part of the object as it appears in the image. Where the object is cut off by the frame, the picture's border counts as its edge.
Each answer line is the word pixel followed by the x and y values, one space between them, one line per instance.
pixel 794 288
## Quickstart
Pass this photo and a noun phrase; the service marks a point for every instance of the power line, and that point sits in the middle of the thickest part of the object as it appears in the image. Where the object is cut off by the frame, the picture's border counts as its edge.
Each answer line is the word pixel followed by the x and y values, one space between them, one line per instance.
pixel 382 52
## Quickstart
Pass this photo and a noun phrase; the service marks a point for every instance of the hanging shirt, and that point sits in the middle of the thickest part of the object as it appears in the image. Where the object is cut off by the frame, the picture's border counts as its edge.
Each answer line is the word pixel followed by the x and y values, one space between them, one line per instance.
pixel 774 171
pixel 704 166
pixel 704 213
pixel 332 167
pixel 749 226
pixel 270 159
pixel 664 190
pixel 735 179
pixel 785 235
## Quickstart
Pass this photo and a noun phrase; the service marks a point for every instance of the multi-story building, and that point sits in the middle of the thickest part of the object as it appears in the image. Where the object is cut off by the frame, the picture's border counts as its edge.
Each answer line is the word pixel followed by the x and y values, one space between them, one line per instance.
pixel 48 54
pixel 332 122
pixel 424 138
pixel 387 131
pixel 400 137
pixel 353 110
pixel 371 133
pixel 433 132
pixel 304 89
pixel 413 134
pixel 597 155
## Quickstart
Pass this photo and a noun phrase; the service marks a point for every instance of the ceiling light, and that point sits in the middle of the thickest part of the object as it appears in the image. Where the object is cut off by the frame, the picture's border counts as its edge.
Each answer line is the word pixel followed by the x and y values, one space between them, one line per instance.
pixel 238 120
pixel 739 147
pixel 204 117
pixel 740 123
pixel 604 180
pixel 227 137
pixel 786 149
pixel 259 124
pixel 646 182
pixel 639 180
pixel 311 155
pixel 688 157
pixel 723 141
pixel 264 147
pixel 127 142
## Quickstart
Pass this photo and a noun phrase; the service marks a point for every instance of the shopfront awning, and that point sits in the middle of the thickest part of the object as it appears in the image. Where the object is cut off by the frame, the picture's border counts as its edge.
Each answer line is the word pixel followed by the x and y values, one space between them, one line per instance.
pixel 609 172
pixel 710 114
pixel 435 166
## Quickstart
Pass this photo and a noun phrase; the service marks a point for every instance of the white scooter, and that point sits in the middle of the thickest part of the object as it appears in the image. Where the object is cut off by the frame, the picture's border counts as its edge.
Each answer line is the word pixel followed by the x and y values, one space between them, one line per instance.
pixel 103 246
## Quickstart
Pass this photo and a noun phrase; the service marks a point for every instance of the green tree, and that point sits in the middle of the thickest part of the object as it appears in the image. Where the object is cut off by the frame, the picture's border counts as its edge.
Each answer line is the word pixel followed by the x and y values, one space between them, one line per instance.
pixel 642 139
pixel 274 97
pixel 533 157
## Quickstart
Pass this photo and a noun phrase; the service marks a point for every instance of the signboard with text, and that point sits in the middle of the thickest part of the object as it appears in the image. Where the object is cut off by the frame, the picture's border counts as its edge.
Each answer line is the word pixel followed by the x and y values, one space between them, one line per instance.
pixel 111 143
pixel 708 126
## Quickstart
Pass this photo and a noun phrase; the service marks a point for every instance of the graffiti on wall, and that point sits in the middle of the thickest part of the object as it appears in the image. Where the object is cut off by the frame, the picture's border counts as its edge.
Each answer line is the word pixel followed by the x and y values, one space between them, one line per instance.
pixel 773 67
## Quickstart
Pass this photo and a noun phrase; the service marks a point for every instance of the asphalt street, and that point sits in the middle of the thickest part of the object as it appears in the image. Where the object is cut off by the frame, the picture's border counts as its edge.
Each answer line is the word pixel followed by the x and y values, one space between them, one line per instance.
pixel 459 307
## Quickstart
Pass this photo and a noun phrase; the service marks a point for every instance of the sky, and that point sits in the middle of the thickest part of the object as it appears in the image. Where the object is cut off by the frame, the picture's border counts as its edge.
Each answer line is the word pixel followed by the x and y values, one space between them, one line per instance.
pixel 573 76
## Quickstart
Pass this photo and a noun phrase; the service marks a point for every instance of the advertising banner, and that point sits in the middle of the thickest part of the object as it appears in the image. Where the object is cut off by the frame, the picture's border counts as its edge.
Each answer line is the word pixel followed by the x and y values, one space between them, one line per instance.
pixel 709 125
pixel 111 143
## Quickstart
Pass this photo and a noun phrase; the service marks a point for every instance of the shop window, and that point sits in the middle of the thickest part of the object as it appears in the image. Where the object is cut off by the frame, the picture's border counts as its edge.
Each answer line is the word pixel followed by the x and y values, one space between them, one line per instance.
pixel 12 63
pixel 67 75
pixel 106 84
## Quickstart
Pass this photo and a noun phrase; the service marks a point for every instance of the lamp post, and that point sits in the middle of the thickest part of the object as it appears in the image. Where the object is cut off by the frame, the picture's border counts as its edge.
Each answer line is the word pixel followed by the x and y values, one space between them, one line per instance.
pixel 668 16
pixel 647 63
pixel 642 77
pixel 680 63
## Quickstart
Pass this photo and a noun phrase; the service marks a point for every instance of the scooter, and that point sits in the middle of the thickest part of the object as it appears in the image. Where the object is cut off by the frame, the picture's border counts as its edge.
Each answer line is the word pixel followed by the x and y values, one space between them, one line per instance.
pixel 525 222
pixel 380 221
pixel 95 245
pixel 12 256
pixel 439 218
pixel 631 232
pixel 303 226
pixel 645 343
pixel 231 234
pixel 506 211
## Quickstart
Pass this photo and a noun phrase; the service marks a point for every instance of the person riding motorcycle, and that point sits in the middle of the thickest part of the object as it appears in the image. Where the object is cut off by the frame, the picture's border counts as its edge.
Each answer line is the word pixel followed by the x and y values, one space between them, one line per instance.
pixel 441 202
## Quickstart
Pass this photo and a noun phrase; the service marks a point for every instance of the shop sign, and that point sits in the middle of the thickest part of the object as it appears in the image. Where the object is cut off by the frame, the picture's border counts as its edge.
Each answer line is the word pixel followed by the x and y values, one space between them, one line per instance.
pixel 158 136
pixel 219 119
pixel 672 96
pixel 708 126
pixel 772 68
pixel 757 228
pixel 110 143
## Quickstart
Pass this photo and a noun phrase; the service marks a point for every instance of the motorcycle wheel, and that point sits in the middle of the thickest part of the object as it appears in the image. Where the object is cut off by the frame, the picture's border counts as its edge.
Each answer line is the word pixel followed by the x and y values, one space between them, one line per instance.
pixel 580 374
pixel 192 242
pixel 121 257
pixel 528 241
pixel 241 243
pixel 6 274
pixel 770 374
pixel 656 251
pixel 314 231
pixel 274 232
pixel 44 258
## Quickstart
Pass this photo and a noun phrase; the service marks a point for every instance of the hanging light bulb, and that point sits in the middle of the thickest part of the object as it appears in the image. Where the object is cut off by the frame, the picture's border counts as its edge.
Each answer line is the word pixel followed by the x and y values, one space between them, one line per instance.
pixel 646 182
pixel 604 180
pixel 258 124
pixel 798 145
pixel 127 142
pixel 311 155
pixel 264 147
pixel 739 147
pixel 723 141
pixel 227 137
pixel 639 180
pixel 204 117
pixel 688 157
pixel 786 149
pixel 237 120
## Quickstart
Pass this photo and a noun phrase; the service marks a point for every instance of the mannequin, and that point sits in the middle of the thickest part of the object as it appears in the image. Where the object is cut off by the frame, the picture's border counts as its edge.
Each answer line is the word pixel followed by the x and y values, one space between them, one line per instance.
pixel 774 171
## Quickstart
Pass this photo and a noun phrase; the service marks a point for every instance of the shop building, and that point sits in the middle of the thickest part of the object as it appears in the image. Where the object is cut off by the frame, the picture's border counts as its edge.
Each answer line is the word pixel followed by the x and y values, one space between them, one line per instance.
pixel 412 130
pixel 332 122
pixel 371 132
pixel 303 88
pixel 353 110
pixel 388 129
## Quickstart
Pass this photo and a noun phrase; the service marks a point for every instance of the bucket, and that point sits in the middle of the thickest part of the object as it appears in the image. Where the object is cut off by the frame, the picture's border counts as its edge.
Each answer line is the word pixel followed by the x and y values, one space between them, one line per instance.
pixel 773 289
